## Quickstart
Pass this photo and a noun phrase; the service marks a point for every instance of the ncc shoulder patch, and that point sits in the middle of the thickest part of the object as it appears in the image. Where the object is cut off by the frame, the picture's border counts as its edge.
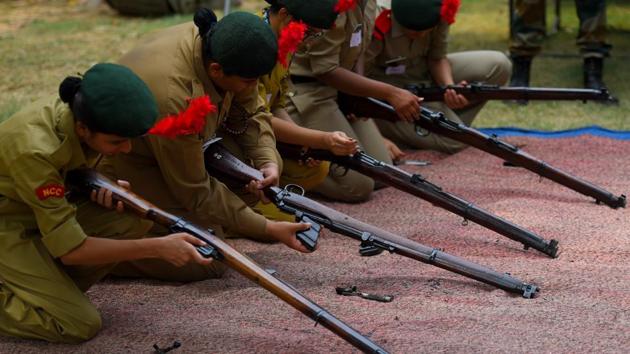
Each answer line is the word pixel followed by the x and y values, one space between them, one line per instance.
pixel 52 190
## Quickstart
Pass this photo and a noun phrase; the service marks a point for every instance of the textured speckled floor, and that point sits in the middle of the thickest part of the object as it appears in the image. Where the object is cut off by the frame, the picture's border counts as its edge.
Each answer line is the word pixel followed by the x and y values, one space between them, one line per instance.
pixel 584 305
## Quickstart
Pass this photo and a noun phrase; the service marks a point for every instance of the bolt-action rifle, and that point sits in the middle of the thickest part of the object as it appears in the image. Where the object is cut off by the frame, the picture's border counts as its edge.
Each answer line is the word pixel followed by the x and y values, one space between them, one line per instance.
pixel 476 92
pixel 223 165
pixel 436 122
pixel 83 181
pixel 417 185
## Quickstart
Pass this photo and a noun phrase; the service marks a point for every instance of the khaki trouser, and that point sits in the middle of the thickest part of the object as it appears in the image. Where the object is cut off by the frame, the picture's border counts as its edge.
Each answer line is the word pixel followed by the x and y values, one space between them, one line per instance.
pixel 341 184
pixel 41 298
pixel 528 28
pixel 490 67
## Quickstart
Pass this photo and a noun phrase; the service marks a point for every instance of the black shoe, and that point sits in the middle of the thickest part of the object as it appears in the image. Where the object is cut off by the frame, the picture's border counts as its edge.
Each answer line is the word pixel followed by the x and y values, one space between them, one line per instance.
pixel 593 72
pixel 520 74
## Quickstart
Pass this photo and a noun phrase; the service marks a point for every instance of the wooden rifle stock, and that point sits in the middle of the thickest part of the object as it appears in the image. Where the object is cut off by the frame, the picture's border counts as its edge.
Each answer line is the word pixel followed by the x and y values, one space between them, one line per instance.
pixel 417 185
pixel 83 181
pixel 222 164
pixel 436 122
pixel 477 92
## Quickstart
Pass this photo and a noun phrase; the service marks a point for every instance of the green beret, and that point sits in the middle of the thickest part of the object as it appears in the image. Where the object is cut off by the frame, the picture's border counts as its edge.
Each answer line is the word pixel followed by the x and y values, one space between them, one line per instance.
pixel 417 15
pixel 244 45
pixel 318 14
pixel 116 101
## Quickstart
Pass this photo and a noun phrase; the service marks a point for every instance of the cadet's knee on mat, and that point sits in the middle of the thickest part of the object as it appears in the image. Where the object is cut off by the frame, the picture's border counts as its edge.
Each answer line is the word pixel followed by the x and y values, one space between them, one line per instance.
pixel 357 190
pixel 83 327
pixel 453 147
pixel 305 176
pixel 271 211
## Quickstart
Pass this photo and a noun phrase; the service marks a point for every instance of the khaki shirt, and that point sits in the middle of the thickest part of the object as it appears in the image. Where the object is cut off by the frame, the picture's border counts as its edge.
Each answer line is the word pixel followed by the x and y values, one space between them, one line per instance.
pixel 38 145
pixel 171 172
pixel 341 46
pixel 399 60
pixel 274 87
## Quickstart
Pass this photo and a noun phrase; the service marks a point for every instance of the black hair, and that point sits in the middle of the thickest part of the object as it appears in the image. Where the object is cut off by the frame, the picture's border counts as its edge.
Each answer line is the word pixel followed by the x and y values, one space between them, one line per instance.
pixel 205 20
pixel 275 6
pixel 70 93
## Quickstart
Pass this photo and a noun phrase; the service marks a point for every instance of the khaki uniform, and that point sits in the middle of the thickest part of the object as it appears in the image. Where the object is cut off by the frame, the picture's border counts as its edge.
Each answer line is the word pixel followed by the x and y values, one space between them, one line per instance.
pixel 528 28
pixel 171 172
pixel 313 104
pixel 39 296
pixel 401 61
pixel 274 88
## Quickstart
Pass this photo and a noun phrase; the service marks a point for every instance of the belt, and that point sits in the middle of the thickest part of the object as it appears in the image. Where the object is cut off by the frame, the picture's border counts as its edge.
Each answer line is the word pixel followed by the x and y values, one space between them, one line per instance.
pixel 298 79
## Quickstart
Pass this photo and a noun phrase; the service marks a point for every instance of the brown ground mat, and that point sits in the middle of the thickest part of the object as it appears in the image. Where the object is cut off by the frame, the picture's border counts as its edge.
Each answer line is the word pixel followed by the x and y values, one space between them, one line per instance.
pixel 584 305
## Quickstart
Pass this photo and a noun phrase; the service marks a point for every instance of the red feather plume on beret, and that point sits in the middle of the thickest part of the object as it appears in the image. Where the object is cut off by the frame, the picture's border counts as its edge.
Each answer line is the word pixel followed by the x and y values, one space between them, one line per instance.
pixel 190 121
pixel 345 5
pixel 449 10
pixel 290 38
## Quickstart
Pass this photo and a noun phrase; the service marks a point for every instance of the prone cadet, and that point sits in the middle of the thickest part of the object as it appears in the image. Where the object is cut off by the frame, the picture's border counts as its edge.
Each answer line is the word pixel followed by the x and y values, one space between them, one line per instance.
pixel 410 46
pixel 334 62
pixel 53 250
pixel 222 60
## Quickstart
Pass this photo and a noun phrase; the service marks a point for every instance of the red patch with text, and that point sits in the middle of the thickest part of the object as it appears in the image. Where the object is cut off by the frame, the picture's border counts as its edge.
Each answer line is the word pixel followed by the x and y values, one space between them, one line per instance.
pixel 50 191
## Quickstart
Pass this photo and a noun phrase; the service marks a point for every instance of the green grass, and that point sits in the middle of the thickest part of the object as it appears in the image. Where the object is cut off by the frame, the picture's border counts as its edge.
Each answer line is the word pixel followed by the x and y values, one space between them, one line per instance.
pixel 483 24
pixel 41 42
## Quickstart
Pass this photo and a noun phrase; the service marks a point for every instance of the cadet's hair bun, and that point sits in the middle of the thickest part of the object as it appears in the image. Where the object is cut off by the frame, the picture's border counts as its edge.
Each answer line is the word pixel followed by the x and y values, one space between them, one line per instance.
pixel 205 19
pixel 68 88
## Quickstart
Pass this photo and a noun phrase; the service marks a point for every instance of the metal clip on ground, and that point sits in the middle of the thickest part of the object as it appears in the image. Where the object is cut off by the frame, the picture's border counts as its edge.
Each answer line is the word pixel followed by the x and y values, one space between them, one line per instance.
pixel 352 291
pixel 158 350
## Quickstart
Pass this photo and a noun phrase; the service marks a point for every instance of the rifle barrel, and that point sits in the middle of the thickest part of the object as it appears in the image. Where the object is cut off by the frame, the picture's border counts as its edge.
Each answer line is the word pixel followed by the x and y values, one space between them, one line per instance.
pixel 371 235
pixel 481 92
pixel 416 185
pixel 437 123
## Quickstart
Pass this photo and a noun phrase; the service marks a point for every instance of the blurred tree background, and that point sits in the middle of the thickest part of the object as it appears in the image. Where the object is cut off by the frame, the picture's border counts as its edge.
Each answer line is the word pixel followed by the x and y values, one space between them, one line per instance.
pixel 41 42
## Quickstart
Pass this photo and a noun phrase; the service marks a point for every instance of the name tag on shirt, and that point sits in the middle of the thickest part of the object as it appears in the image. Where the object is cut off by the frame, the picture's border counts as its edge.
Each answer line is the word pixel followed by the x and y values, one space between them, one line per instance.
pixel 395 70
pixel 357 36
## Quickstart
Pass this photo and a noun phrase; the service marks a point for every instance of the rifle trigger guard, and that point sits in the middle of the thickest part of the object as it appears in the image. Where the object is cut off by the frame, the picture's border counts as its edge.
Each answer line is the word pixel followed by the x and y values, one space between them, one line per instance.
pixel 295 189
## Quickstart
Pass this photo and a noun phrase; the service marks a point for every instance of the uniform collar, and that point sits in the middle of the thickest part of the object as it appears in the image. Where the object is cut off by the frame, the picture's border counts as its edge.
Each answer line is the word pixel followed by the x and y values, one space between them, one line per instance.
pixel 397 29
pixel 202 74
pixel 80 154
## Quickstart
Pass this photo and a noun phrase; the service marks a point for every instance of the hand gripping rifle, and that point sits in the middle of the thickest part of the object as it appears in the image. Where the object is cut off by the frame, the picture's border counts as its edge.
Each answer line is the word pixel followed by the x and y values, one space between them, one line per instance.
pixel 481 92
pixel 436 122
pixel 417 185
pixel 83 181
pixel 223 165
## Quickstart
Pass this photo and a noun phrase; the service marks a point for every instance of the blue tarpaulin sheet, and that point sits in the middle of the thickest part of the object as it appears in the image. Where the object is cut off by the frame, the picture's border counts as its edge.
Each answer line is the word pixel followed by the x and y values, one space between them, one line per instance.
pixel 569 133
